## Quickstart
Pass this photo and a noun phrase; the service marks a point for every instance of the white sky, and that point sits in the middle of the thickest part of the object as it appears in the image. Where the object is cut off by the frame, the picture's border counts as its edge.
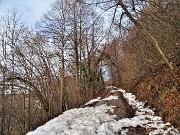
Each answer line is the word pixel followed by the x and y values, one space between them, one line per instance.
pixel 32 9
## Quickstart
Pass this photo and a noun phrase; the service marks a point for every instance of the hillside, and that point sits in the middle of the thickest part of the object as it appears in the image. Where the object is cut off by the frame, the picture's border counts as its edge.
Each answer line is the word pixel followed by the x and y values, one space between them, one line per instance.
pixel 161 90
pixel 115 112
pixel 77 49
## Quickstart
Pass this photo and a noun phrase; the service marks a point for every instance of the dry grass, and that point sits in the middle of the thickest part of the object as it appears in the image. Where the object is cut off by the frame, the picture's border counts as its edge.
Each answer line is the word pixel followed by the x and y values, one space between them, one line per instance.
pixel 162 92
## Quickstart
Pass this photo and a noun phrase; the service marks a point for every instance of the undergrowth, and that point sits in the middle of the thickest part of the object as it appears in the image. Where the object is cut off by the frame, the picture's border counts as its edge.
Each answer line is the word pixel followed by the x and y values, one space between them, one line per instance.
pixel 161 90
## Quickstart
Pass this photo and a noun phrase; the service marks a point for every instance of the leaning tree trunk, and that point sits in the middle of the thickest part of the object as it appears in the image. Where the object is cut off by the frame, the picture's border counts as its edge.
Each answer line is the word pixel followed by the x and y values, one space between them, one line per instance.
pixel 141 27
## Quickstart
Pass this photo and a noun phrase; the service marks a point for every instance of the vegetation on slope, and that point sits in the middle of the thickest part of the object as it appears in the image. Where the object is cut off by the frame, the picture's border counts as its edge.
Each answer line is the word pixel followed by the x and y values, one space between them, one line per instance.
pixel 60 65
pixel 140 68
pixel 161 91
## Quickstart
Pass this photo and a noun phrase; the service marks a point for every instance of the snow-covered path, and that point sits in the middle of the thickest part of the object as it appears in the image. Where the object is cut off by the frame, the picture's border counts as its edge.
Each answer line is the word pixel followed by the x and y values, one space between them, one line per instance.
pixel 102 120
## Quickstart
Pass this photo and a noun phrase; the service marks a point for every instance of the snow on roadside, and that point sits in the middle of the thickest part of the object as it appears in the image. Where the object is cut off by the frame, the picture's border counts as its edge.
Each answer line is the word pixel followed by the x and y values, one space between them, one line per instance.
pixel 110 98
pixel 96 120
pixel 93 101
pixel 80 121
pixel 99 99
pixel 154 123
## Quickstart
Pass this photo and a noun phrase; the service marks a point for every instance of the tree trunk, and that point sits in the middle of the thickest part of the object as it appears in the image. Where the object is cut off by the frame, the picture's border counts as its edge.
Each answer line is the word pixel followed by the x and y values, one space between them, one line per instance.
pixel 141 27
pixel 75 44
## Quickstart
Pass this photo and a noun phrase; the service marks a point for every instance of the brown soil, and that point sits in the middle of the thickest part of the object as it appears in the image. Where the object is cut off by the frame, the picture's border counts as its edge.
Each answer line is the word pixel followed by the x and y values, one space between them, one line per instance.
pixel 122 110
pixel 136 131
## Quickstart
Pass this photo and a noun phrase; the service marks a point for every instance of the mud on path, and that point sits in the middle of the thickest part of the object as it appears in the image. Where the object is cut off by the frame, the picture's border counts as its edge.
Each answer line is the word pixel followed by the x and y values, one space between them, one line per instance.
pixel 122 110
pixel 114 112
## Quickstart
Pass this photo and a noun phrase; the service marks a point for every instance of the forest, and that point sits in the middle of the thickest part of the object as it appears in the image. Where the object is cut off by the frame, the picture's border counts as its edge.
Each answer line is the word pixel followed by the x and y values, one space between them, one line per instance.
pixel 81 46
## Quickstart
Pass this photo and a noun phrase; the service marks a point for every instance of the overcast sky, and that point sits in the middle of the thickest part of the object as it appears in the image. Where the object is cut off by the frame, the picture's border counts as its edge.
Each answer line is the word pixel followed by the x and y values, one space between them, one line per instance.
pixel 32 9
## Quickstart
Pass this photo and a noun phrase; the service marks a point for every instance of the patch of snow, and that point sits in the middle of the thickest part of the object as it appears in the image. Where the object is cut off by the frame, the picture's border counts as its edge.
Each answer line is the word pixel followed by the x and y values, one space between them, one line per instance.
pixel 80 121
pixel 124 132
pixel 110 98
pixel 98 99
pixel 96 120
pixel 147 118
pixel 93 100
